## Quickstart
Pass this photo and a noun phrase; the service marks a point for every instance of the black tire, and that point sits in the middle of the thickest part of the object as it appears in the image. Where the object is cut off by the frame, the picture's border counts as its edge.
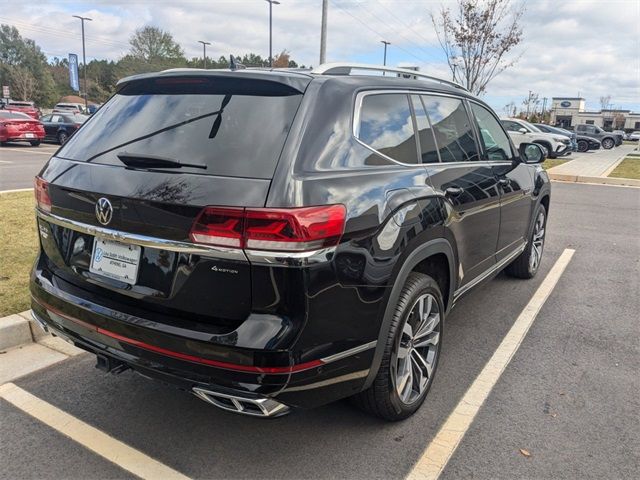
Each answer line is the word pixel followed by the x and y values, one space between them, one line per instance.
pixel 35 143
pixel 381 398
pixel 608 143
pixel 583 145
pixel 523 266
pixel 62 138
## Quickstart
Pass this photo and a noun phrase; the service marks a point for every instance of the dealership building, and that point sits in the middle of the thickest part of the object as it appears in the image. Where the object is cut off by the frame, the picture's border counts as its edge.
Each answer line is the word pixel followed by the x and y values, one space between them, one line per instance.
pixel 571 111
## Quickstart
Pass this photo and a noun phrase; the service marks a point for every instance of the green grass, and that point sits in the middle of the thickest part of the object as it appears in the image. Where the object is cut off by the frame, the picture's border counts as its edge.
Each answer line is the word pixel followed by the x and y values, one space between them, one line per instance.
pixel 628 168
pixel 552 162
pixel 18 250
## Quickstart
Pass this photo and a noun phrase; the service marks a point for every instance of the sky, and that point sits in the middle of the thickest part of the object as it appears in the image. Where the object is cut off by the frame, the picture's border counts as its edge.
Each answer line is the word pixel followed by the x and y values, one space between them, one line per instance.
pixel 571 48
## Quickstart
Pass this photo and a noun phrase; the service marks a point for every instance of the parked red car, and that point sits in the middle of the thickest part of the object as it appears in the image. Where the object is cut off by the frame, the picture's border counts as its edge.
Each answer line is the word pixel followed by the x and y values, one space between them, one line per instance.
pixel 24 107
pixel 19 127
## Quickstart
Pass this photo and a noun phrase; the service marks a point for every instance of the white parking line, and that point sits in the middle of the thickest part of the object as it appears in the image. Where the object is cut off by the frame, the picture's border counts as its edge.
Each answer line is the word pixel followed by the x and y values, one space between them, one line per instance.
pixel 444 444
pixel 28 150
pixel 115 451
pixel 4 161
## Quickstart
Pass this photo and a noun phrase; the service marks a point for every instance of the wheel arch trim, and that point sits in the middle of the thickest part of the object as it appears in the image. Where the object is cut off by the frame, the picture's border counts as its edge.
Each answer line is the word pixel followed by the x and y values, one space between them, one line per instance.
pixel 420 253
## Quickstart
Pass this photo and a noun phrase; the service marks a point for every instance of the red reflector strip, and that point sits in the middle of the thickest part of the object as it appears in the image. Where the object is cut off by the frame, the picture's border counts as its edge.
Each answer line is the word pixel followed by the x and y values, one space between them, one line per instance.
pixel 183 356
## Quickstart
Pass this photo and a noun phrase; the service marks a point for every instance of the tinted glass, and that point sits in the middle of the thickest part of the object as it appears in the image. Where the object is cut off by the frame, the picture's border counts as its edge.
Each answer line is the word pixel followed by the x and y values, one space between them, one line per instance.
pixel 46 118
pixel 511 126
pixel 77 118
pixel 235 127
pixel 429 150
pixel 386 126
pixel 452 128
pixel 14 115
pixel 496 143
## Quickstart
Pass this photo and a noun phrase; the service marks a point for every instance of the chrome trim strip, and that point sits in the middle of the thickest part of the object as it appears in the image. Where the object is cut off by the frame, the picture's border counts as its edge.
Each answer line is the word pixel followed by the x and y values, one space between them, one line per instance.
pixel 347 353
pixel 145 241
pixel 257 257
pixel 290 259
pixel 489 271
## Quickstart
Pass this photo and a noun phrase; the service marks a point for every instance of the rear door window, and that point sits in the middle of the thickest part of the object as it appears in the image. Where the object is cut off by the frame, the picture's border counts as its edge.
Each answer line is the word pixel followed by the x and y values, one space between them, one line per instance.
pixel 386 125
pixel 231 126
pixel 452 128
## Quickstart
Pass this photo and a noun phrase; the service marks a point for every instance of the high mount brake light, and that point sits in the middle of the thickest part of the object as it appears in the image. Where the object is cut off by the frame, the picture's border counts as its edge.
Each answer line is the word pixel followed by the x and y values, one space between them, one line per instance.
pixel 42 194
pixel 274 229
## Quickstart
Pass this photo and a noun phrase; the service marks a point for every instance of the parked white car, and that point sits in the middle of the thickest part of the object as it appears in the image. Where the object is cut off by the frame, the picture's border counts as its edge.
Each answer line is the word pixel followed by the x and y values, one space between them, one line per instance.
pixel 522 131
pixel 69 108
pixel 634 136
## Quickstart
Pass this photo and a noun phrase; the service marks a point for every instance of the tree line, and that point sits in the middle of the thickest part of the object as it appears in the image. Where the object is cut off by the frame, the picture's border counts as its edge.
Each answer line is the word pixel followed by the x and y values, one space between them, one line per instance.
pixel 32 76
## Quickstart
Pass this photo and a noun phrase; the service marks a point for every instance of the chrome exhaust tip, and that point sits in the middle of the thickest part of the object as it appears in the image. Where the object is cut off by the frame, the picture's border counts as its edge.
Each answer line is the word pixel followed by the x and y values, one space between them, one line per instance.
pixel 254 407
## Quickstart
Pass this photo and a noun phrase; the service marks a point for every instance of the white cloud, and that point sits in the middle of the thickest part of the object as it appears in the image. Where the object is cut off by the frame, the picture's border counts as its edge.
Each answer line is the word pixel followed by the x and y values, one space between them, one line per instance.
pixel 574 46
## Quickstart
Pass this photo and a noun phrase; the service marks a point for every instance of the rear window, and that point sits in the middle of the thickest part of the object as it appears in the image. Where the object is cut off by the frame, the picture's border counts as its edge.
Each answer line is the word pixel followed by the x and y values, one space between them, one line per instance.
pixel 15 115
pixel 235 127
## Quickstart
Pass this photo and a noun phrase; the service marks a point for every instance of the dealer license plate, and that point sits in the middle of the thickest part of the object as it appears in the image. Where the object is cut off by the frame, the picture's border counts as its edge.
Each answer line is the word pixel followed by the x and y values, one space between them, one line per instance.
pixel 116 260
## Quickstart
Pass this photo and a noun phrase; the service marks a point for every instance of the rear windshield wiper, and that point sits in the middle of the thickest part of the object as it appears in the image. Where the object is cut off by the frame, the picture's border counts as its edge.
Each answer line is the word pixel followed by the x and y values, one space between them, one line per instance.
pixel 135 160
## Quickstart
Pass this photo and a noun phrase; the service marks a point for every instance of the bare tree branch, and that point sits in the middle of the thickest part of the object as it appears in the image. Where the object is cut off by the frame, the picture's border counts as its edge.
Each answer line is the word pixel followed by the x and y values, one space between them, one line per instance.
pixel 479 37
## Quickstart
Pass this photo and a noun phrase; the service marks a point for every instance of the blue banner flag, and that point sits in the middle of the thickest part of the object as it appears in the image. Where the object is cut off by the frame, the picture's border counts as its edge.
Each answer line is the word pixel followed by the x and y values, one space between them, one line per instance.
pixel 73 72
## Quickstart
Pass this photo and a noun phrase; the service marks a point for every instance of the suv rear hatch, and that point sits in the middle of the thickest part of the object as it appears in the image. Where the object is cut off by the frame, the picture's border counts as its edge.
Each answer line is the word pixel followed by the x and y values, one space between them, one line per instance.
pixel 118 201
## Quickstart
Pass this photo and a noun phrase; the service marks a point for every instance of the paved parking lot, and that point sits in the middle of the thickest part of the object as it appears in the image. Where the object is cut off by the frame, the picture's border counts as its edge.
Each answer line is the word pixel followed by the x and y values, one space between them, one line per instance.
pixel 20 162
pixel 569 397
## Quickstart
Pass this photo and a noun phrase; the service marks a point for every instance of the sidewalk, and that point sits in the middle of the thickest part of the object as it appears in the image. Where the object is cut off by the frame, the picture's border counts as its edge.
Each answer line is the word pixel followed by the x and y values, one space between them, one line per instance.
pixel 25 347
pixel 593 167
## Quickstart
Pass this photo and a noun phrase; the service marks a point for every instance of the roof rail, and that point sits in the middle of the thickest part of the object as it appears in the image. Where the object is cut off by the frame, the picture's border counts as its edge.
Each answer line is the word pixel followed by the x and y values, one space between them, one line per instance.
pixel 346 68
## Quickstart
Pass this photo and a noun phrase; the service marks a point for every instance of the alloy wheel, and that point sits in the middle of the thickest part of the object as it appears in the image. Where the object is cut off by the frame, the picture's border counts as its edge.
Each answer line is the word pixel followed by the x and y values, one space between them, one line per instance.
pixel 537 242
pixel 607 143
pixel 416 352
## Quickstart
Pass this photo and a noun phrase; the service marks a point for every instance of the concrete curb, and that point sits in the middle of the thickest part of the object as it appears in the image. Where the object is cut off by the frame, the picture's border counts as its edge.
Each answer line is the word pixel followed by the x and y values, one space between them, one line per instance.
pixel 627 182
pixel 26 348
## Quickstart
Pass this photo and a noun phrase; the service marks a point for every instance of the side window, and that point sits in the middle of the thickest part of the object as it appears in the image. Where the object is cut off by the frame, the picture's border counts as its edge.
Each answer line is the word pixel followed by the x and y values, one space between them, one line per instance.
pixel 511 126
pixel 386 126
pixel 55 118
pixel 46 118
pixel 452 128
pixel 496 143
pixel 429 150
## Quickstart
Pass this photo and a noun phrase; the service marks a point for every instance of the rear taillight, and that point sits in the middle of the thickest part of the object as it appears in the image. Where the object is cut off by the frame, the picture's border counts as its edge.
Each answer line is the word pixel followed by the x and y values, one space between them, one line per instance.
pixel 219 226
pixel 42 194
pixel 279 229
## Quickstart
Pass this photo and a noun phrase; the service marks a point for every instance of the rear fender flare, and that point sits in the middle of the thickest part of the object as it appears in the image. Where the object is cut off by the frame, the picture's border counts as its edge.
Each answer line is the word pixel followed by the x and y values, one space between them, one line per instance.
pixel 419 254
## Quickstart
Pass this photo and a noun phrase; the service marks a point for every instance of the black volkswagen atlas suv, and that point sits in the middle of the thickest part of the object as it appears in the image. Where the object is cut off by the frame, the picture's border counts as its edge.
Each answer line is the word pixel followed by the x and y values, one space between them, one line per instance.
pixel 273 239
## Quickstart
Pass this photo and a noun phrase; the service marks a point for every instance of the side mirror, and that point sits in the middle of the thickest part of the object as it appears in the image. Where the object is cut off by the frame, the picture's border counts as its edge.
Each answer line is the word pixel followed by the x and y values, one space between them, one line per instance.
pixel 523 130
pixel 531 153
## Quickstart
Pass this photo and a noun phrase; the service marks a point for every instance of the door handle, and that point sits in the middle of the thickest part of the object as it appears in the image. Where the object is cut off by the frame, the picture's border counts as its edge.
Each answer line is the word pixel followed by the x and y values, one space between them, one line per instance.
pixel 453 191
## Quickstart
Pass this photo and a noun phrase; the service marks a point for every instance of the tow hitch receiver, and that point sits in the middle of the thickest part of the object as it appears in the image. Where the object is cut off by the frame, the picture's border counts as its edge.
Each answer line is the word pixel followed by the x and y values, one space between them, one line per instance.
pixel 110 365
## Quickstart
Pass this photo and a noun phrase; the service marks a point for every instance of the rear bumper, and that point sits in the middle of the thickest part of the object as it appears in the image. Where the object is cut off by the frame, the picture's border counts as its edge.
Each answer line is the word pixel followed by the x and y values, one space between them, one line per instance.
pixel 189 361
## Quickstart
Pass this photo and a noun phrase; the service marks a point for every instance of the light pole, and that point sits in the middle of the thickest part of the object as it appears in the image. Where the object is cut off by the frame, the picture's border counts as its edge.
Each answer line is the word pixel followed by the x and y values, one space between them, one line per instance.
pixel 323 32
pixel 384 61
pixel 271 3
pixel 84 59
pixel 204 52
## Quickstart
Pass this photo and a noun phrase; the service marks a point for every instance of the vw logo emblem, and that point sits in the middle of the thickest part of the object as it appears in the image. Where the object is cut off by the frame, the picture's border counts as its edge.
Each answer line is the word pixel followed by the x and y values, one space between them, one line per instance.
pixel 104 211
